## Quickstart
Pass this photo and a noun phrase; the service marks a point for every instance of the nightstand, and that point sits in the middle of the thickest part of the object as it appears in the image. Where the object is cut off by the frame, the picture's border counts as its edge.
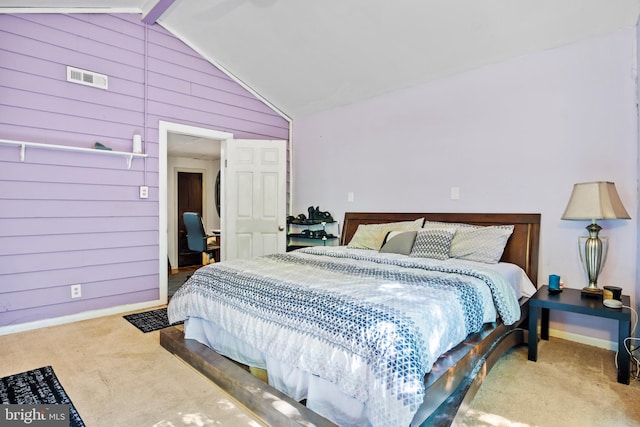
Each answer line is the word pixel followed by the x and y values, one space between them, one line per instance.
pixel 571 300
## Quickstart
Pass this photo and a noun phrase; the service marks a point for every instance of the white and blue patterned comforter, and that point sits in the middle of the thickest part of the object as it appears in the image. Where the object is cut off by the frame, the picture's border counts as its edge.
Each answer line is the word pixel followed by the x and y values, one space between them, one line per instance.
pixel 373 324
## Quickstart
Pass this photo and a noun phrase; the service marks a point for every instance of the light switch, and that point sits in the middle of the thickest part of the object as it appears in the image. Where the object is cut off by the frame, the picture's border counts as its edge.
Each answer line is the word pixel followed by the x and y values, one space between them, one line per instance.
pixel 455 193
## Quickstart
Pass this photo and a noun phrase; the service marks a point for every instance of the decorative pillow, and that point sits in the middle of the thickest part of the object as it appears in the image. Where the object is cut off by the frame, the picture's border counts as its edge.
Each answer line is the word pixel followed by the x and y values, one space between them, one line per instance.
pixel 433 243
pixel 475 242
pixel 371 236
pixel 399 242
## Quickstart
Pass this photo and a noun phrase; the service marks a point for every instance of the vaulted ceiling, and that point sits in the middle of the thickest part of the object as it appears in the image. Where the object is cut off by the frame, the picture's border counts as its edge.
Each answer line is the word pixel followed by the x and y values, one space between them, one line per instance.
pixel 306 56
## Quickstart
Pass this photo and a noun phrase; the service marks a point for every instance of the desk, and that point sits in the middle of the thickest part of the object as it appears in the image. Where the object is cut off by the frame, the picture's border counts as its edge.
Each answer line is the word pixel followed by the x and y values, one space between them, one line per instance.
pixel 213 245
pixel 571 300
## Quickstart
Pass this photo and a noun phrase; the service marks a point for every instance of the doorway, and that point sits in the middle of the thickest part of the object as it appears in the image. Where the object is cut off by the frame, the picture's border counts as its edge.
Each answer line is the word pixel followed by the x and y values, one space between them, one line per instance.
pixel 270 152
pixel 189 200
pixel 167 196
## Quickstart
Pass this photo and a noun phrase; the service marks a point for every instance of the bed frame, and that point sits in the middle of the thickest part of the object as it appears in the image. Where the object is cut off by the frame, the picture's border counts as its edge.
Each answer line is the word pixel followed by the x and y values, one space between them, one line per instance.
pixel 455 377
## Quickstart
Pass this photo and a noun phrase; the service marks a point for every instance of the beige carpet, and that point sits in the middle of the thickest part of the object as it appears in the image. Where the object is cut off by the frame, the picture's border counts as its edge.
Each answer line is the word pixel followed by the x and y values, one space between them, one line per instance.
pixel 118 376
pixel 571 384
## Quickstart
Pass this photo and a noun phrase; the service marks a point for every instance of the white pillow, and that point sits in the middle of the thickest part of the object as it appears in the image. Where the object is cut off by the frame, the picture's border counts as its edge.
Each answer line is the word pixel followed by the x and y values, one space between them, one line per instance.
pixel 475 242
pixel 371 236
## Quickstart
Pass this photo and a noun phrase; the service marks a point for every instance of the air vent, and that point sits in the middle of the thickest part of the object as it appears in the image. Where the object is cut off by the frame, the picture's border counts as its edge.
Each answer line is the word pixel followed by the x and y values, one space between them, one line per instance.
pixel 87 78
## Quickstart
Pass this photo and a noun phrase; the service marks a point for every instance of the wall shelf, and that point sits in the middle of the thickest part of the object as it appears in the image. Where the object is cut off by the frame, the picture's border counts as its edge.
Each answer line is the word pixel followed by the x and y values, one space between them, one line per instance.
pixel 23 148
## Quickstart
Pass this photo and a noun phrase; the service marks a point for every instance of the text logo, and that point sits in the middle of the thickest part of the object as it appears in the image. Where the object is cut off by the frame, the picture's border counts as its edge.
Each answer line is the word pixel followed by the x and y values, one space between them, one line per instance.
pixel 55 415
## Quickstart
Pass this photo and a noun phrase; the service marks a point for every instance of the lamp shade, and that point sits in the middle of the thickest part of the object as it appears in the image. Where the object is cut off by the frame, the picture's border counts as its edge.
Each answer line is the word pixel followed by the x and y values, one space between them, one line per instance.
pixel 595 200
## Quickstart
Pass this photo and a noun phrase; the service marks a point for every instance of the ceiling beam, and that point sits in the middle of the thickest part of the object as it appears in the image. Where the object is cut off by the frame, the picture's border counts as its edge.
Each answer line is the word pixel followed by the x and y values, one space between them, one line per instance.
pixel 68 10
pixel 156 11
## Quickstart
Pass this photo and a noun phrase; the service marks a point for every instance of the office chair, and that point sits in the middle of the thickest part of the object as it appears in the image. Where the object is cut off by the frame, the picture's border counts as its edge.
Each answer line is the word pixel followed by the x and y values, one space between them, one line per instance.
pixel 197 238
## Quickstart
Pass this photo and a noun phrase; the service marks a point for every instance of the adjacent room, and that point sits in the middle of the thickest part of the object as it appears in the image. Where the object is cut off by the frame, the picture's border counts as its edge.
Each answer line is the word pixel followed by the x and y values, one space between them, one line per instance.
pixel 178 177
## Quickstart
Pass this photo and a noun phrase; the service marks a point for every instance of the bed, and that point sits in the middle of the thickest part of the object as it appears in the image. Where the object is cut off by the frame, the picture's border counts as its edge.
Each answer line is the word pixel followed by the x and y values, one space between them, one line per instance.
pixel 318 363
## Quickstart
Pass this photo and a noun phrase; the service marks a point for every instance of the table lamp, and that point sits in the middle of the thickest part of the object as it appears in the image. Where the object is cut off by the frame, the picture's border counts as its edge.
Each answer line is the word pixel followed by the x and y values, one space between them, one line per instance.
pixel 593 201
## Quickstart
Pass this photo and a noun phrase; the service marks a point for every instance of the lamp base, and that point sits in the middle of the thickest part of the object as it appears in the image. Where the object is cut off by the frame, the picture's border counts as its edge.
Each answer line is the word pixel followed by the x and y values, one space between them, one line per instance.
pixel 591 292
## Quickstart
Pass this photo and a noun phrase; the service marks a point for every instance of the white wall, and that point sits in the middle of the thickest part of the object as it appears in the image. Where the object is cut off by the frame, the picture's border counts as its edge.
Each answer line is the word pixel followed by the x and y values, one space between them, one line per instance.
pixel 209 169
pixel 514 137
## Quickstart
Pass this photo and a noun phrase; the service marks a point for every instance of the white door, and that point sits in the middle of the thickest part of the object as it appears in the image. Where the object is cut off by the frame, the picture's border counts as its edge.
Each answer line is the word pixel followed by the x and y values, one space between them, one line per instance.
pixel 253 183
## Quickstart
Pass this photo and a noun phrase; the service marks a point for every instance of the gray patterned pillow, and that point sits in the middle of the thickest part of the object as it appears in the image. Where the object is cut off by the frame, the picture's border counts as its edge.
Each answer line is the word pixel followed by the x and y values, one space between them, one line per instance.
pixel 433 243
pixel 475 242
pixel 399 242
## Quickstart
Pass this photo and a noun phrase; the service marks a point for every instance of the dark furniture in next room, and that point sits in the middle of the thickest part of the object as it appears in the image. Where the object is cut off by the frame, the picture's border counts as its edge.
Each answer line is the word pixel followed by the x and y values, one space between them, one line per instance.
pixel 197 238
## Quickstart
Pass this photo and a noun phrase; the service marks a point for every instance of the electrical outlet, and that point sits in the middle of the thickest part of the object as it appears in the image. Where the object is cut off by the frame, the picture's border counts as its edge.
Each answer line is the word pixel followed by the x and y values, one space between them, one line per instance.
pixel 144 192
pixel 76 291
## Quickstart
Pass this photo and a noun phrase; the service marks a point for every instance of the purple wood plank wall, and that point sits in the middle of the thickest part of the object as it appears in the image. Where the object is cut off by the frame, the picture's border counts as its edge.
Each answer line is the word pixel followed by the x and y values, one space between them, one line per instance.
pixel 71 217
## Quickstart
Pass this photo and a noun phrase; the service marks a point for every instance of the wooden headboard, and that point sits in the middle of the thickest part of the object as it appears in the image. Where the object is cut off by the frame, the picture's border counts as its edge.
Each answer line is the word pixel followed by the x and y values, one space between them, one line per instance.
pixel 522 247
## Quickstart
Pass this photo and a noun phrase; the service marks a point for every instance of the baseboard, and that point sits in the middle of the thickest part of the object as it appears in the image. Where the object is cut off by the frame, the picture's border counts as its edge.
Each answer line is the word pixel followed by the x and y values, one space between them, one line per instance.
pixel 85 315
pixel 583 339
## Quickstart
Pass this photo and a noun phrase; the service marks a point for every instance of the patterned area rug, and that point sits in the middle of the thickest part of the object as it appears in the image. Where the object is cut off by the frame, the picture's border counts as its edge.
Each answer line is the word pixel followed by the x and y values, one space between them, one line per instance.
pixel 149 321
pixel 37 387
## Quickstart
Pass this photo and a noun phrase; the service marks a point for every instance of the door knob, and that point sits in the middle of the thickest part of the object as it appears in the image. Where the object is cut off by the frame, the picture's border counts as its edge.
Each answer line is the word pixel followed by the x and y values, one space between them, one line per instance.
pixel 281 228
